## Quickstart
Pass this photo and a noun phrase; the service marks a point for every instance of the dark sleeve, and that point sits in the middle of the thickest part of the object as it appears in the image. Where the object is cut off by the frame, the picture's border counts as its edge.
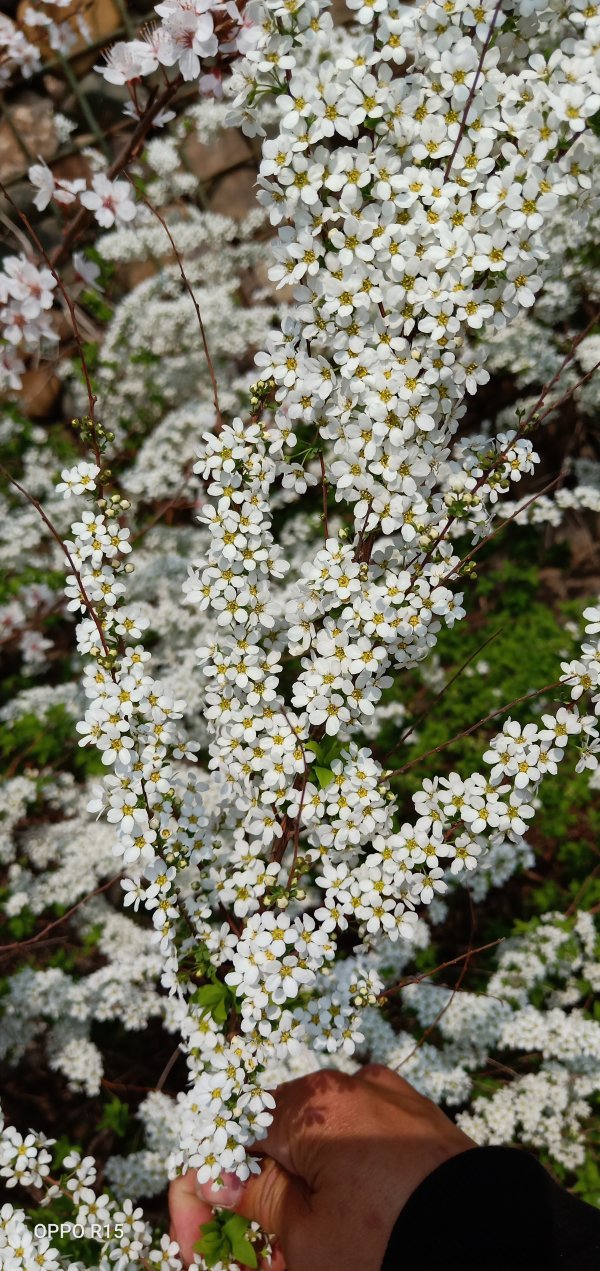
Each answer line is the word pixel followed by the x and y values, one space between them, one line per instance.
pixel 494 1209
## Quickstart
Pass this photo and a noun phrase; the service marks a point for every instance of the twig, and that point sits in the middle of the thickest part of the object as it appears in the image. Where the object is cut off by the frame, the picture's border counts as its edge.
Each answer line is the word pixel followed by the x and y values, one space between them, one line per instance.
pixel 469 101
pixel 503 524
pixel 127 152
pixel 524 427
pixel 565 362
pixel 571 909
pixel 188 287
pixel 569 393
pixel 56 536
pixel 70 306
pixel 537 692
pixel 416 979
pixel 463 971
pixel 21 944
pixel 428 709
pixel 167 1068
pixel 324 489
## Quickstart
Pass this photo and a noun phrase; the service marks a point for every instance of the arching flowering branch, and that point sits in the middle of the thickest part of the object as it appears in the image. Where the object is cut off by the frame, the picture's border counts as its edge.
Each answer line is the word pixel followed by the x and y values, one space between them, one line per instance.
pixel 411 217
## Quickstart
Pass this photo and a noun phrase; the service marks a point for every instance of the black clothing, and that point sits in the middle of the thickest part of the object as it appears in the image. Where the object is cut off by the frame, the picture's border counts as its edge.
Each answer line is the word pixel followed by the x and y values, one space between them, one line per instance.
pixel 494 1209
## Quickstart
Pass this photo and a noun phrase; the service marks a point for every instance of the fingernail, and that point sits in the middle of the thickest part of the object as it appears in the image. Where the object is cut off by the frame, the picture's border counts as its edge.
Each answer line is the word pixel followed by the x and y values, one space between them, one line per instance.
pixel 226 1195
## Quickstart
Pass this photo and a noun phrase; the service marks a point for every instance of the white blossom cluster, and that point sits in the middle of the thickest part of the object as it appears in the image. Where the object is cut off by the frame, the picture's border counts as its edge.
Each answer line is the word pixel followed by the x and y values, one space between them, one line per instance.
pixel 373 869
pixel 120 1234
pixel 553 1046
pixel 21 621
pixel 61 1010
pixel 110 201
pixel 17 53
pixel 26 297
pixel 416 175
pixel 188 37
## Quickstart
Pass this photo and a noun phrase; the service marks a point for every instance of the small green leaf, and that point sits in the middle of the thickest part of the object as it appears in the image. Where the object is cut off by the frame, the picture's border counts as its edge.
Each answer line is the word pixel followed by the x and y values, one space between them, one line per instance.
pixel 324 777
pixel 243 1251
pixel 116 1117
pixel 236 1227
pixel 216 999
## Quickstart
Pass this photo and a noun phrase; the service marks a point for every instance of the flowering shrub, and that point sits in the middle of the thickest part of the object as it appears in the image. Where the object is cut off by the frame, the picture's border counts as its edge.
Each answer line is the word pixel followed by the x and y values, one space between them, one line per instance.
pixel 421 169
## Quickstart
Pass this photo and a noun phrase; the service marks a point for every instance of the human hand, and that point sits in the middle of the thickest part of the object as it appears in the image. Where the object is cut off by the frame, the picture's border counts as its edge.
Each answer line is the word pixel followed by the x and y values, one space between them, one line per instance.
pixel 340 1161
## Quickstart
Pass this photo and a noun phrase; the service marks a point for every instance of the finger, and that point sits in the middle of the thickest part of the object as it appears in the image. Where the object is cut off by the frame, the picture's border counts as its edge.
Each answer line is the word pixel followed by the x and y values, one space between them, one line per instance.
pixel 272 1198
pixel 188 1211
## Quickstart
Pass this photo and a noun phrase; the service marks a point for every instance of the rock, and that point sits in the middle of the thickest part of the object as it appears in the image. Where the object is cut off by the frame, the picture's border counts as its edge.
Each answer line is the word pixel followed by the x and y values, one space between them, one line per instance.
pixel 40 391
pixel 86 23
pixel 31 117
pixel 134 272
pixel 235 194
pixel 226 152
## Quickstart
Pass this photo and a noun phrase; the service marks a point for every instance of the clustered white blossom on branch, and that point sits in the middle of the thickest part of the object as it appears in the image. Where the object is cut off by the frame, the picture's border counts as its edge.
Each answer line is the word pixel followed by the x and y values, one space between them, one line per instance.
pixel 418 171
pixel 16 51
pixel 447 237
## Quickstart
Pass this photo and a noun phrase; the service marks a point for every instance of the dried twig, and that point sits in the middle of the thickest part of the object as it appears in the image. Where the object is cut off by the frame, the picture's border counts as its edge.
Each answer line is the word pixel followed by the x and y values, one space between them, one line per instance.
pixel 189 289
pixel 21 944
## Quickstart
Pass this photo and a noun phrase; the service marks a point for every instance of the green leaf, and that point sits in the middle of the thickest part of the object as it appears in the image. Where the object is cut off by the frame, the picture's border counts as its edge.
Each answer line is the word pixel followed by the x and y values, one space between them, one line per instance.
pixel 236 1227
pixel 324 777
pixel 225 1240
pixel 216 1000
pixel 243 1251
pixel 116 1117
pixel 594 123
pixel 211 1243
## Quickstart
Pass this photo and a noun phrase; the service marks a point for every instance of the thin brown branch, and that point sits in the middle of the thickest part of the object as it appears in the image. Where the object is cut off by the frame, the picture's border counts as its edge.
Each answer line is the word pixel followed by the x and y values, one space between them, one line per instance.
pixel 503 524
pixel 524 427
pixel 56 536
pixel 501 710
pixel 457 988
pixel 69 303
pixel 168 1066
pixel 21 944
pixel 324 490
pixel 189 289
pixel 428 709
pixel 416 979
pixel 469 101
pixel 129 151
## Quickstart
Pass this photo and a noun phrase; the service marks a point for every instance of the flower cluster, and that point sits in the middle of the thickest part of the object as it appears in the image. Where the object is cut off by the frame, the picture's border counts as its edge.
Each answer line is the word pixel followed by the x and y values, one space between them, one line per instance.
pixel 110 201
pixel 416 171
pixel 21 622
pixel 17 53
pixel 26 296
pixel 379 336
pixel 189 37
pixel 122 1238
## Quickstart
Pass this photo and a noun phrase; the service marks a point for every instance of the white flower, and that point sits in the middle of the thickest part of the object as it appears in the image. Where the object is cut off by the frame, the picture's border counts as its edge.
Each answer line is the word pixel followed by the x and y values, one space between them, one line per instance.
pixel 110 201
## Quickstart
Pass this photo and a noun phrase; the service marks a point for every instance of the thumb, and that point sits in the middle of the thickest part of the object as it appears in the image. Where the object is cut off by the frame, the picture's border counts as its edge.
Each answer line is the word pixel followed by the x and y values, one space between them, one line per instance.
pixel 272 1198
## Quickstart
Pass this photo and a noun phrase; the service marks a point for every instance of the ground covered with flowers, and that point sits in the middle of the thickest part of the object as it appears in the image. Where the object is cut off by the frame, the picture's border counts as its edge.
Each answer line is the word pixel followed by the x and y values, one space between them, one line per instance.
pixel 300 600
